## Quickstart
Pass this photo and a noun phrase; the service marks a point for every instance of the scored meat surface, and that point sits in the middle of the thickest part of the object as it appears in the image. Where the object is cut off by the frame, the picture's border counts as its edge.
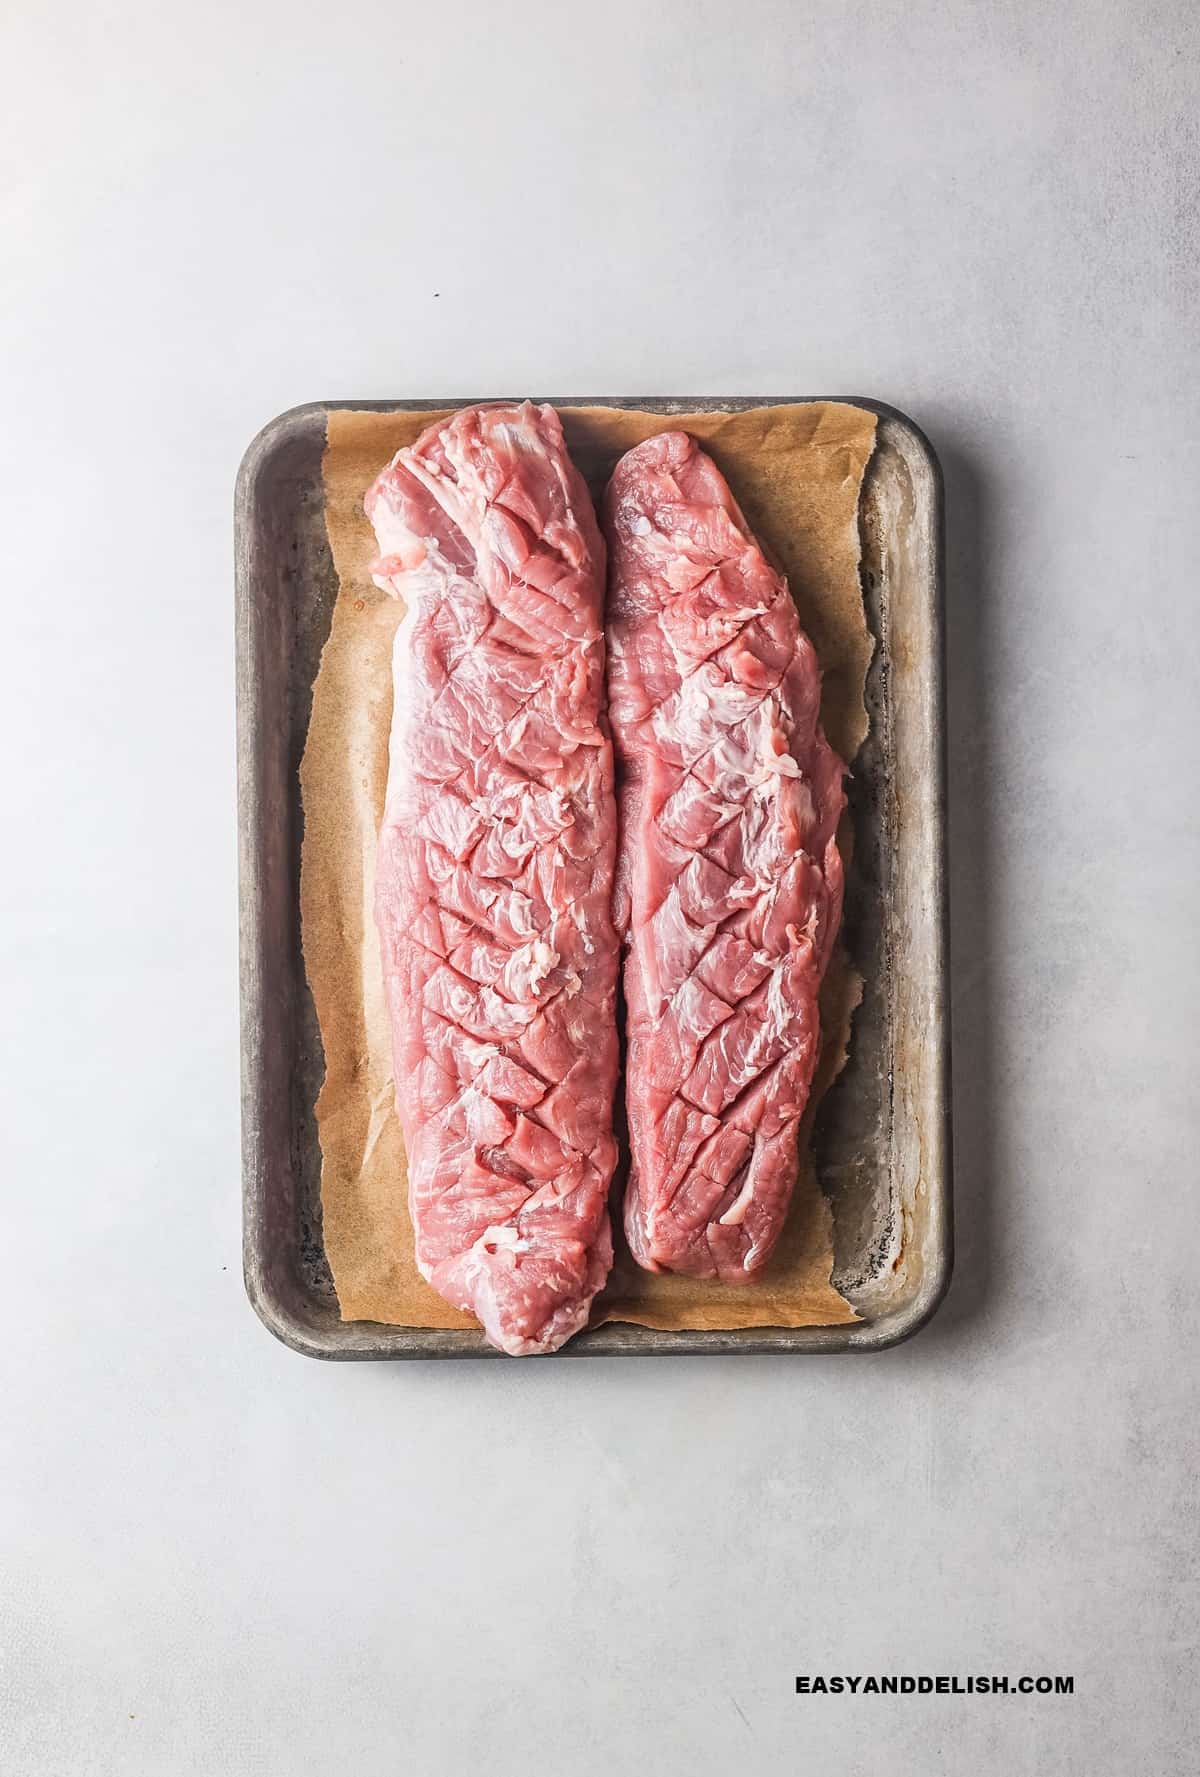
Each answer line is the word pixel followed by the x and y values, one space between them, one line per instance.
pixel 495 869
pixel 729 881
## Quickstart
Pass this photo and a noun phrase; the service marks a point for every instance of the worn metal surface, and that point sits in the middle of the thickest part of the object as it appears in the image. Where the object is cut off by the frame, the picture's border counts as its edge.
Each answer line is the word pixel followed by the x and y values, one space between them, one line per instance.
pixel 882 1136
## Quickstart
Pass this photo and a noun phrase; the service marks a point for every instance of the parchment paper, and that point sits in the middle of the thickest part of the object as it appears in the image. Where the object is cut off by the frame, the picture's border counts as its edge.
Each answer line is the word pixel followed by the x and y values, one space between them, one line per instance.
pixel 797 472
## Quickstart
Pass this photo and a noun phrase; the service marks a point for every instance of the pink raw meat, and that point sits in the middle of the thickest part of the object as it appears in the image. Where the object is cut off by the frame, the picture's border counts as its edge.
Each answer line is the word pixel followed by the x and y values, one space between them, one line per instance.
pixel 729 881
pixel 495 870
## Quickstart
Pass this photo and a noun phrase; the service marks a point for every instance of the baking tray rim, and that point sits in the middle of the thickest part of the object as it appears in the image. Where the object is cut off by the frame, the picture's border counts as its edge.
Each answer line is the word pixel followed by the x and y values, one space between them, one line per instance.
pixel 350 1341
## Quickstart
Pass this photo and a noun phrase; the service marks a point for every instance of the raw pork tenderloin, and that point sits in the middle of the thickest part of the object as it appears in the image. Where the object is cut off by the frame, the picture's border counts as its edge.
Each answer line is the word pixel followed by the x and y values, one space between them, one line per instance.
pixel 729 878
pixel 495 870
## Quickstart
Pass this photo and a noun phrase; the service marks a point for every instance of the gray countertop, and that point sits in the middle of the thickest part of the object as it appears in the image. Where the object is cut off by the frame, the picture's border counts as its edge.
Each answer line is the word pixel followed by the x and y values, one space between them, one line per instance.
pixel 221 1557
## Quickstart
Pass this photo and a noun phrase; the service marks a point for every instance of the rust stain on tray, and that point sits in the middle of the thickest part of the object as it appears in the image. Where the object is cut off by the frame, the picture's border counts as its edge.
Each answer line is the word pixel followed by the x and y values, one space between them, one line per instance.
pixel 797 471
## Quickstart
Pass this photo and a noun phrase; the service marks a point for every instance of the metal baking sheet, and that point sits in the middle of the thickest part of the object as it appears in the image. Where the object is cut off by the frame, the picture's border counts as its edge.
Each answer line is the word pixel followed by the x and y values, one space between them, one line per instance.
pixel 882 1135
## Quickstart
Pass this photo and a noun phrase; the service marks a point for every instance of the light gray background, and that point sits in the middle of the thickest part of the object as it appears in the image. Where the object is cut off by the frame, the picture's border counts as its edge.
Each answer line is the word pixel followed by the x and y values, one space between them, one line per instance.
pixel 219 1557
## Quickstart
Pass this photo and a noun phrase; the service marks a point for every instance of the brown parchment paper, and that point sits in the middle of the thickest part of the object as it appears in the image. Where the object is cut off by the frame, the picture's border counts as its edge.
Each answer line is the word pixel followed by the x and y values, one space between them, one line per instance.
pixel 797 473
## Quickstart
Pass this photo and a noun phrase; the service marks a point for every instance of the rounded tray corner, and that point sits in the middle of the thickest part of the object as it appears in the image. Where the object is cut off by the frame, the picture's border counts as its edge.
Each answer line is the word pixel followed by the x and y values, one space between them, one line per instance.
pixel 269 441
pixel 281 1322
pixel 895 1329
pixel 909 438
